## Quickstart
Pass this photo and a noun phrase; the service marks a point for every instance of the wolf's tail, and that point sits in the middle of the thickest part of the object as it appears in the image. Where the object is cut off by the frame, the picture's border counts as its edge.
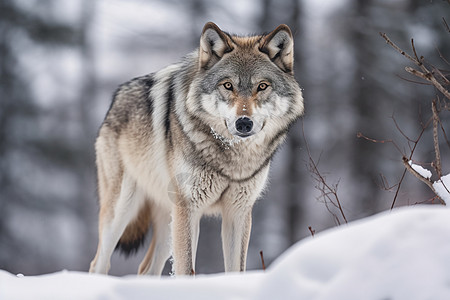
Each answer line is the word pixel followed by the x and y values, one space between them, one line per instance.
pixel 134 235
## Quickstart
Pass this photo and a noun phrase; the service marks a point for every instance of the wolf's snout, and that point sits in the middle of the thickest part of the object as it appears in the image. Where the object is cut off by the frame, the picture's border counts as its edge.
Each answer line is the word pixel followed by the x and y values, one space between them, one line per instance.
pixel 244 125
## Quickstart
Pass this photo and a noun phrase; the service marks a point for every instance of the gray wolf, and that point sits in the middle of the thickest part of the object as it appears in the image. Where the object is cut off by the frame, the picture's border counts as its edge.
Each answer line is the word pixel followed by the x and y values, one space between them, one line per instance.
pixel 215 119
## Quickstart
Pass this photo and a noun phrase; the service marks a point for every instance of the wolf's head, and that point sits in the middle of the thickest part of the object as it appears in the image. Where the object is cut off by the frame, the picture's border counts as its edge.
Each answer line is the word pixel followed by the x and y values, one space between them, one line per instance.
pixel 246 84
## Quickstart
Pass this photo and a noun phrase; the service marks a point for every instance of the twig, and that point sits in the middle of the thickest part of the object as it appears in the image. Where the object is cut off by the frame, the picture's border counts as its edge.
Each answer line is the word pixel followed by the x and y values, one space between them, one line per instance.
pixel 413 81
pixel 411 147
pixel 445 187
pixel 427 200
pixel 312 231
pixel 397 192
pixel 445 24
pixel 437 152
pixel 415 142
pixel 329 193
pixel 262 260
pixel 445 136
pixel 420 61
pixel 385 183
pixel 425 74
pixel 442 57
pixel 439 72
pixel 360 135
pixel 429 77
pixel 389 42
pixel 401 131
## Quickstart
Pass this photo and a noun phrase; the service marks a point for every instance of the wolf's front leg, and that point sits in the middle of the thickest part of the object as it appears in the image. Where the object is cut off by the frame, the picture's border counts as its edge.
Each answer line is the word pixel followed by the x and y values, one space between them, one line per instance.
pixel 237 204
pixel 185 231
pixel 236 228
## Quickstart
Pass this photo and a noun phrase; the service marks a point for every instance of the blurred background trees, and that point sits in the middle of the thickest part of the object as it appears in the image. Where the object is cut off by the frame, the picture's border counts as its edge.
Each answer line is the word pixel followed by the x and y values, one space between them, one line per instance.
pixel 60 62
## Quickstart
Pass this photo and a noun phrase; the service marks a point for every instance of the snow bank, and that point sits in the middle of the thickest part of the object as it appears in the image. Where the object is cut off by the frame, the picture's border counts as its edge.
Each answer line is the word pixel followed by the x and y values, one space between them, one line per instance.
pixel 403 254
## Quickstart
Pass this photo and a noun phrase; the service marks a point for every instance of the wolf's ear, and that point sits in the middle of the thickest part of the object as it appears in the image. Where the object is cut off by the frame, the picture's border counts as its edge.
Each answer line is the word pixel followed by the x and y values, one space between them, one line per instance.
pixel 279 46
pixel 214 43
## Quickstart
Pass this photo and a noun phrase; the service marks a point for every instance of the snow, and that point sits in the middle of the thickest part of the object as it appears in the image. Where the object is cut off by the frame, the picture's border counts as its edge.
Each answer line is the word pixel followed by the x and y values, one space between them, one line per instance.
pixel 227 143
pixel 442 188
pixel 419 169
pixel 403 254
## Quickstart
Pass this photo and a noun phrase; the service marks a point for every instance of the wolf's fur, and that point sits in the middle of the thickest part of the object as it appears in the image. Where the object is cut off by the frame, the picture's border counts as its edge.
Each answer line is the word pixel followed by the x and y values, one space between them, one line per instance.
pixel 170 148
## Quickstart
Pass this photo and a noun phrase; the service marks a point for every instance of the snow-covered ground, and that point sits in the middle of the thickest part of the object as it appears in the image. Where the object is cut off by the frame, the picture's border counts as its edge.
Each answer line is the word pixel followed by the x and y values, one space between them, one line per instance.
pixel 403 254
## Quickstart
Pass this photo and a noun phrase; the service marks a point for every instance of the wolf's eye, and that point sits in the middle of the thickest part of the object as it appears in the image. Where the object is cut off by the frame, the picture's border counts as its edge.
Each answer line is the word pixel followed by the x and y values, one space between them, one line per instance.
pixel 227 85
pixel 262 86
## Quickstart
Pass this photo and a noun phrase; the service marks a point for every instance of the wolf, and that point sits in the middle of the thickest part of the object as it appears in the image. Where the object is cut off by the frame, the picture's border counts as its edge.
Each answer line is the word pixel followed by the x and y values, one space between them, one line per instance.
pixel 193 139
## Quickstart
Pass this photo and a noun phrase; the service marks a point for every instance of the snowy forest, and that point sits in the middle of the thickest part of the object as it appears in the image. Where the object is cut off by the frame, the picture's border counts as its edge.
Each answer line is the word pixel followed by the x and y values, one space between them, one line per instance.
pixel 60 62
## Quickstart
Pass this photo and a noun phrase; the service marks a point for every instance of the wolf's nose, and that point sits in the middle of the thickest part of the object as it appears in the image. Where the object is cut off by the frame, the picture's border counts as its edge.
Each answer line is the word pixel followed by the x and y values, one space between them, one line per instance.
pixel 244 125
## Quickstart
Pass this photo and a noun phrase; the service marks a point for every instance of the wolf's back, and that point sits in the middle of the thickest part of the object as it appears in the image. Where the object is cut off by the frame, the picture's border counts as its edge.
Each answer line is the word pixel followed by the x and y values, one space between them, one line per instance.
pixel 130 100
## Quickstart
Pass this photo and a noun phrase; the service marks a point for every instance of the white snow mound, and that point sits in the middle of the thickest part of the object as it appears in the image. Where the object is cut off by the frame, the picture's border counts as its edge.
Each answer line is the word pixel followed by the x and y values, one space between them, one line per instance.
pixel 404 254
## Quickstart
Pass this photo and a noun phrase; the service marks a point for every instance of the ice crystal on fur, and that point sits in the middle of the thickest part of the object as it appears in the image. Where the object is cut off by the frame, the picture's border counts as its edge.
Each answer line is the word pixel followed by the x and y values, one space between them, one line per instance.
pixel 226 142
pixel 172 271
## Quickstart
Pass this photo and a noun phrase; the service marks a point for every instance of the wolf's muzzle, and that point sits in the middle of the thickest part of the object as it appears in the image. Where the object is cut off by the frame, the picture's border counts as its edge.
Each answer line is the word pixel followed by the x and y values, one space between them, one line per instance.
pixel 244 126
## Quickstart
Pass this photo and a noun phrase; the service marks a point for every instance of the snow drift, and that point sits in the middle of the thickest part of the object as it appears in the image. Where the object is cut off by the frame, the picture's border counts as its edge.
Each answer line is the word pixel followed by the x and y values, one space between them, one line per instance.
pixel 404 254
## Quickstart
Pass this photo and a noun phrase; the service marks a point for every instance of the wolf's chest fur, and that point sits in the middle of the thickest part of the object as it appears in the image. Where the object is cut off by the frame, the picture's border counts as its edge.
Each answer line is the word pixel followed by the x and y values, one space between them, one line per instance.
pixel 235 159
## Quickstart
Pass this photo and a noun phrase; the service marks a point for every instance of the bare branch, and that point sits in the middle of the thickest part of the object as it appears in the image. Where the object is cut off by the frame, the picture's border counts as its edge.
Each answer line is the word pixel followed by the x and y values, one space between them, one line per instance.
pixel 427 200
pixel 388 41
pixel 360 135
pixel 441 75
pixel 437 152
pixel 429 77
pixel 419 60
pixel 415 143
pixel 262 260
pixel 445 24
pixel 445 135
pixel 445 187
pixel 412 149
pixel 401 131
pixel 413 81
pixel 406 163
pixel 328 192
pixel 385 183
pixel 397 192
pixel 425 74
pixel 442 57
pixel 312 231
pixel 437 78
pixel 417 73
pixel 412 144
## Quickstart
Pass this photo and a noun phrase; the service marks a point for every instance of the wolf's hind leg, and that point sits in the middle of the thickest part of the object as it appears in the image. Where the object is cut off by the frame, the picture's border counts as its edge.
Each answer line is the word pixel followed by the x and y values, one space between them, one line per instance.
pixel 112 227
pixel 159 250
